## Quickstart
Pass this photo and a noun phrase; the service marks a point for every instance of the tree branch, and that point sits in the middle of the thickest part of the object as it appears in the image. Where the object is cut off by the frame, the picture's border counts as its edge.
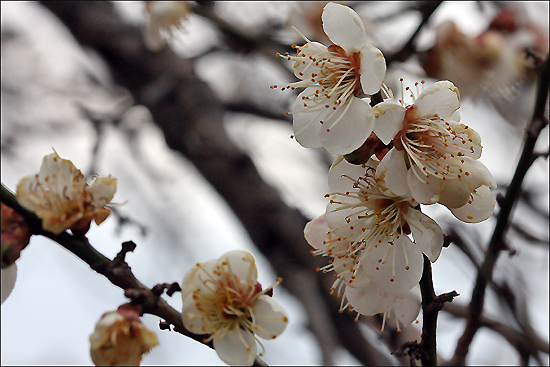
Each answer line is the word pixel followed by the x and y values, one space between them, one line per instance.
pixel 116 271
pixel 496 244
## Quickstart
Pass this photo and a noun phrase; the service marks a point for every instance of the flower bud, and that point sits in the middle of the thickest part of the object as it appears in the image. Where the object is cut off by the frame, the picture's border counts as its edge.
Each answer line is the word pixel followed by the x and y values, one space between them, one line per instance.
pixel 120 339
pixel 16 234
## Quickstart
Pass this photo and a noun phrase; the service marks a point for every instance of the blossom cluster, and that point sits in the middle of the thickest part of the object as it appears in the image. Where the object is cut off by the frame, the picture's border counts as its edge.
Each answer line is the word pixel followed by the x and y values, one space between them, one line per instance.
pixel 404 155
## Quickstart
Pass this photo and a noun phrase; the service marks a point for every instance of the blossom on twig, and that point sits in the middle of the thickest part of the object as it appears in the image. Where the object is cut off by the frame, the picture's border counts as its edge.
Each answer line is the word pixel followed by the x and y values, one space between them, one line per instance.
pixel 60 196
pixel 434 157
pixel 223 298
pixel 121 339
pixel 331 111
pixel 376 225
pixel 352 284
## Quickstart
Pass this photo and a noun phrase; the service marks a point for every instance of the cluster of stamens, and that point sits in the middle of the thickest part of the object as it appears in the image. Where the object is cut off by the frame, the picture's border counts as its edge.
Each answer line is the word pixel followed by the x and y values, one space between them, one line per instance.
pixel 227 303
pixel 430 142
pixel 378 219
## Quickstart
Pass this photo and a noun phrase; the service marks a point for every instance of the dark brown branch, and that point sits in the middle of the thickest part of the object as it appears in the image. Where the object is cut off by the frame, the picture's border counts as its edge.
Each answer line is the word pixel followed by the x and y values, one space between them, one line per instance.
pixel 517 339
pixel 116 271
pixel 538 122
pixel 429 314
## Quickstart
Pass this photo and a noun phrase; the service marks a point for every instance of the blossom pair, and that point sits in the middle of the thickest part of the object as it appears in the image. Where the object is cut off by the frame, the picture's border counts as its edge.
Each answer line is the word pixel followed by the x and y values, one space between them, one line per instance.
pixel 223 298
pixel 432 157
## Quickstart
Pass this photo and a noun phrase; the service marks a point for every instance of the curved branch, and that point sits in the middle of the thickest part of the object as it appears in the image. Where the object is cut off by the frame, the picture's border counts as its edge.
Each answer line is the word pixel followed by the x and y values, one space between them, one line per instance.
pixel 117 271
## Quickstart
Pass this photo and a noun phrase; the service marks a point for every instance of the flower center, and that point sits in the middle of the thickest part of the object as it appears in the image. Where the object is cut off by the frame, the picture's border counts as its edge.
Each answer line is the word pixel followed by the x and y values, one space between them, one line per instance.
pixel 430 144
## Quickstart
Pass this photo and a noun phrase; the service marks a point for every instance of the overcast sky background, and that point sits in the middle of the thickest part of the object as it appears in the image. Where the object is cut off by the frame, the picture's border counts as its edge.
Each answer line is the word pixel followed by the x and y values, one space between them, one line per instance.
pixel 57 299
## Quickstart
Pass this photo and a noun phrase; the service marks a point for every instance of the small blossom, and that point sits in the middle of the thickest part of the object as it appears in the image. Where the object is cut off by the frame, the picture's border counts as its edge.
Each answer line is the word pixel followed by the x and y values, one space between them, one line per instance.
pixel 377 226
pixel 60 196
pixel 163 17
pixel 434 157
pixel 8 277
pixel 120 339
pixel 331 112
pixel 223 298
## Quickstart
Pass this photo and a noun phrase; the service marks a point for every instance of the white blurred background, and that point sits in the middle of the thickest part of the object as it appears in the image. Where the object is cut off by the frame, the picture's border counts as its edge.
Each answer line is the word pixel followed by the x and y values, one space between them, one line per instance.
pixel 58 299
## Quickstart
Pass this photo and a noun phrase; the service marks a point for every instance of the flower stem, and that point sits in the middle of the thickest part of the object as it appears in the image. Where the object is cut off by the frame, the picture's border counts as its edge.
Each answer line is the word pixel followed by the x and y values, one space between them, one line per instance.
pixel 429 315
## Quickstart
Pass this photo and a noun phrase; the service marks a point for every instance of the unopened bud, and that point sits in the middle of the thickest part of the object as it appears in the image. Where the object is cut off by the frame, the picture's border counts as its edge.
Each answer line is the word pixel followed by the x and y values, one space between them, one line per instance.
pixel 121 339
pixel 16 234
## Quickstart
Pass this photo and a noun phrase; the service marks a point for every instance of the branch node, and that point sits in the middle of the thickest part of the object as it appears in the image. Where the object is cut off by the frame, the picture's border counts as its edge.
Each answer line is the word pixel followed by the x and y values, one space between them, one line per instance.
pixel 127 246
pixel 170 288
pixel 413 350
pixel 164 325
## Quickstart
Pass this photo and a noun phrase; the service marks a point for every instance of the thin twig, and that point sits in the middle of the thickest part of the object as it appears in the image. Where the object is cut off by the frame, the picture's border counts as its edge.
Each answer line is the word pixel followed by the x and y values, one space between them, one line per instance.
pixel 409 48
pixel 538 122
pixel 116 271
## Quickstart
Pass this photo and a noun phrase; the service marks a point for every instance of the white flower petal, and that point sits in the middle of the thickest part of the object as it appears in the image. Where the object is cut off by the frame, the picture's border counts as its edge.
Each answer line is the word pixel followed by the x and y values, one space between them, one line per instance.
pixel 389 120
pixel 424 193
pixel 316 231
pixel 479 209
pixel 236 348
pixel 348 127
pixel 426 233
pixel 342 175
pixel 241 264
pixel 366 300
pixel 102 190
pixel 406 306
pixel 456 192
pixel 307 121
pixel 307 68
pixel 336 217
pixel 372 69
pixel 8 276
pixel 269 317
pixel 392 170
pixel 193 279
pixel 344 27
pixel 193 318
pixel 395 265
pixel 455 117
pixel 472 138
pixel 441 99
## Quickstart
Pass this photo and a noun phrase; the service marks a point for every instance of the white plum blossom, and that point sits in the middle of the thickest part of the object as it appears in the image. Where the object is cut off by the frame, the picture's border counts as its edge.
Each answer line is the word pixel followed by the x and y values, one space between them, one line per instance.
pixel 363 295
pixel 223 298
pixel 331 112
pixel 434 157
pixel 60 196
pixel 377 226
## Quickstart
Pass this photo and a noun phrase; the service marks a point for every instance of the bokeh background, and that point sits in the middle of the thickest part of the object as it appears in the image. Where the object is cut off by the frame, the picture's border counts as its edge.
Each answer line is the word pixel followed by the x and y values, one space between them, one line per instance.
pixel 57 93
